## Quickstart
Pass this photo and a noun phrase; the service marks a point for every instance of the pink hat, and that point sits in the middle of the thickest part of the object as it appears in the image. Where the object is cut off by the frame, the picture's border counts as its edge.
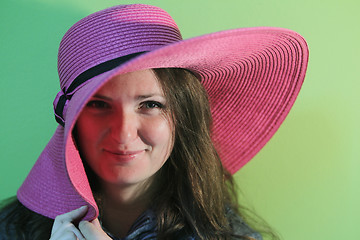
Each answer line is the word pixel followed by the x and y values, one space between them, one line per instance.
pixel 252 76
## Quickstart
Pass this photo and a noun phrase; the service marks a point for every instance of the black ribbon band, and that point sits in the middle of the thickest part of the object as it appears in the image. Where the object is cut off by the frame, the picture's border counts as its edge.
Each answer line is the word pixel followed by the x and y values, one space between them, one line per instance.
pixel 85 76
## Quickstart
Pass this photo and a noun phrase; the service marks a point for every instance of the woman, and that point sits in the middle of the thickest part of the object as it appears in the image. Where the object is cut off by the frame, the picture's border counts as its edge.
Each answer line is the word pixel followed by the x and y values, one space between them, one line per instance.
pixel 146 123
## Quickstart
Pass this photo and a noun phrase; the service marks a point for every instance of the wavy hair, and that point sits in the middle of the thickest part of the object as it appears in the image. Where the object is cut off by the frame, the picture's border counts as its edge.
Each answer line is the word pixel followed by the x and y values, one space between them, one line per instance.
pixel 195 189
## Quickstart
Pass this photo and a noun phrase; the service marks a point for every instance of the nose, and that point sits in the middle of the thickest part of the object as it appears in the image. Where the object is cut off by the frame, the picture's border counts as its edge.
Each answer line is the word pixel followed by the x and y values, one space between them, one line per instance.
pixel 124 127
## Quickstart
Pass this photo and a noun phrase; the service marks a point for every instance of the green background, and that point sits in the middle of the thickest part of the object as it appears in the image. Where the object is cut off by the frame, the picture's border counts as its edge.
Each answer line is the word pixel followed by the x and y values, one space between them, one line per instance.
pixel 305 182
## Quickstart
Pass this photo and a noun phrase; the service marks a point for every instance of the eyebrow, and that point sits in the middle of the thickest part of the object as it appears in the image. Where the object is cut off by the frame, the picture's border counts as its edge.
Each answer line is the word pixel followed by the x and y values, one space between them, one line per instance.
pixel 140 97
pixel 101 97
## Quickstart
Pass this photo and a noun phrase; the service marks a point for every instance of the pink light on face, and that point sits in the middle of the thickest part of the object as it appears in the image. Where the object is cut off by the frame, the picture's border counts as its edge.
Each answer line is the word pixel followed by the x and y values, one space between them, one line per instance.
pixel 123 131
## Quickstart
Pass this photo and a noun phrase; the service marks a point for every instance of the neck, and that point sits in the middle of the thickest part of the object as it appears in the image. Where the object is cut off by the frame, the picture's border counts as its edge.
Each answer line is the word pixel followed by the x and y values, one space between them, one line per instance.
pixel 122 205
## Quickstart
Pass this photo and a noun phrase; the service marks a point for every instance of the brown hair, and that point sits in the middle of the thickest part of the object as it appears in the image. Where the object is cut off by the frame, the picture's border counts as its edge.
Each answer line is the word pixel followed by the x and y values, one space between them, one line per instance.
pixel 194 193
pixel 20 223
pixel 197 192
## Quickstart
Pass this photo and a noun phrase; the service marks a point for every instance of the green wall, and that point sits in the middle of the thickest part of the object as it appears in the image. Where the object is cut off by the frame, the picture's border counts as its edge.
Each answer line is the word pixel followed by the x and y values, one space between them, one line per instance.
pixel 305 182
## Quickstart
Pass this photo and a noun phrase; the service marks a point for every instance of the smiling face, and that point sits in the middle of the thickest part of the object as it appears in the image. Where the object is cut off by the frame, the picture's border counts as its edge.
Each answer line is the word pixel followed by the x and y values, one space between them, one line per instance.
pixel 124 132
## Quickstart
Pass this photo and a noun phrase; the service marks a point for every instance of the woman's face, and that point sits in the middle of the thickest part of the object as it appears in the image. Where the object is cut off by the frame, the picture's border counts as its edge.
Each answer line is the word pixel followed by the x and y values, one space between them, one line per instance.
pixel 124 132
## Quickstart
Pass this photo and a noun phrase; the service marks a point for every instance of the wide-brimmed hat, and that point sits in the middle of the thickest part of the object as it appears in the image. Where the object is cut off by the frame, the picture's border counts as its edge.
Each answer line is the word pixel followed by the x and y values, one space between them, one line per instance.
pixel 252 76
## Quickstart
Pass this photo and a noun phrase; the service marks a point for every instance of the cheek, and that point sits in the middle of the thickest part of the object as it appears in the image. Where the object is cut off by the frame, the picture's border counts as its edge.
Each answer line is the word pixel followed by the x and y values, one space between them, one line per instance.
pixel 87 133
pixel 158 133
pixel 82 134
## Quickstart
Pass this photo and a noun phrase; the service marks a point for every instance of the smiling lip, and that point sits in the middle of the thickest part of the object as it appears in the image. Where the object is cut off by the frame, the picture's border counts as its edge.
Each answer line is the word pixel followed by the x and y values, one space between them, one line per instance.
pixel 123 156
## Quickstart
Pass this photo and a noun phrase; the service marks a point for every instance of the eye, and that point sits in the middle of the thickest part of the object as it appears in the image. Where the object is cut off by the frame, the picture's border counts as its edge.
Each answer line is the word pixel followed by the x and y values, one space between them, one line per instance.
pixel 98 104
pixel 151 104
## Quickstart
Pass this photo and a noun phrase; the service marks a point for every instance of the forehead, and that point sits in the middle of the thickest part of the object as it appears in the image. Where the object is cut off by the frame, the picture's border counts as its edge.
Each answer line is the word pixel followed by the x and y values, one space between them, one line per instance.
pixel 138 82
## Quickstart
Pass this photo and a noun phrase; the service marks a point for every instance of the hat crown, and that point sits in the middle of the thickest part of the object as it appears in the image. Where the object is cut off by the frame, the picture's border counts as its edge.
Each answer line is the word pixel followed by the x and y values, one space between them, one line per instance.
pixel 113 33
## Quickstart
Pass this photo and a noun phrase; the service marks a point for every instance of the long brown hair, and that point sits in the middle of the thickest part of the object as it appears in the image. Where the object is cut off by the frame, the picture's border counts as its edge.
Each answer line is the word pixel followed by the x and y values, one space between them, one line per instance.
pixel 195 189
pixel 20 223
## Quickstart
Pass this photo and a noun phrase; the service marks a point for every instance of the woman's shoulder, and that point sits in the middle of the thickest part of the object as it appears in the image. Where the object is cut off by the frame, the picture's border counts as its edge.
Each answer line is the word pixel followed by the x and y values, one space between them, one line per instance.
pixel 239 227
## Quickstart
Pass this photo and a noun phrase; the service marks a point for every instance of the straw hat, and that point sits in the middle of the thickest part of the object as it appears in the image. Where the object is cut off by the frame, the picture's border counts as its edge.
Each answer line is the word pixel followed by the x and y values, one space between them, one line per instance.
pixel 252 76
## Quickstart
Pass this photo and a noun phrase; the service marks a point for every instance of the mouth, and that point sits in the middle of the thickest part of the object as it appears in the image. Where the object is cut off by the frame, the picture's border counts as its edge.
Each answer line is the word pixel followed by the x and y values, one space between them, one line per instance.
pixel 123 156
pixel 125 153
